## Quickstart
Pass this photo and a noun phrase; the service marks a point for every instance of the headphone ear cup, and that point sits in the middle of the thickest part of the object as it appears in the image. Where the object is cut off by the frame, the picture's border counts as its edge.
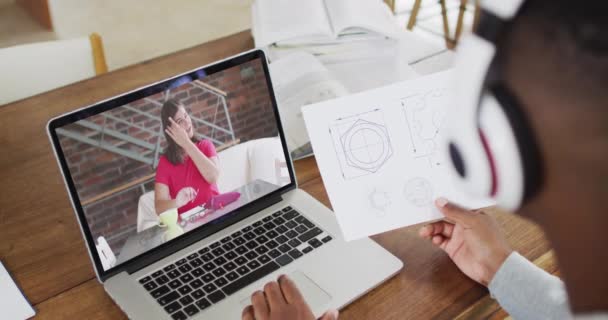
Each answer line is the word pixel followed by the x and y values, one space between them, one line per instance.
pixel 502 153
pixel 465 153
pixel 510 148
pixel 462 146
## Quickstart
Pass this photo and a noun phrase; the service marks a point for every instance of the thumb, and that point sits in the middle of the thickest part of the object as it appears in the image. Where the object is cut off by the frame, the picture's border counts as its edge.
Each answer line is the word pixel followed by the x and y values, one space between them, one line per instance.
pixel 330 315
pixel 453 212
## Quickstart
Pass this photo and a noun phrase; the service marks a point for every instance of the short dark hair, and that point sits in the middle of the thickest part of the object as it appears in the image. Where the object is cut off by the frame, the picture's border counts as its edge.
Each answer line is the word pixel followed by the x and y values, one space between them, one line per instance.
pixel 576 32
pixel 583 23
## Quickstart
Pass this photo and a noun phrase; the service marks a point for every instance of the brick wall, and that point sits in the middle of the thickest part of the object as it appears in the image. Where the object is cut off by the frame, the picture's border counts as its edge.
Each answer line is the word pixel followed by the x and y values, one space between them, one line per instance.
pixel 96 170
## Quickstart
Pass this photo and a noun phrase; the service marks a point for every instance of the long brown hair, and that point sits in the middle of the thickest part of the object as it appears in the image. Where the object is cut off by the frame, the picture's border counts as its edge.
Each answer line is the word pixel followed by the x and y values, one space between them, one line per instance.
pixel 173 152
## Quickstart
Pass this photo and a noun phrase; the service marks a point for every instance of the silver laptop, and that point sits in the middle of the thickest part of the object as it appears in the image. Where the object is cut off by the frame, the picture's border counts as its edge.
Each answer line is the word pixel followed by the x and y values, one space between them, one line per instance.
pixel 165 253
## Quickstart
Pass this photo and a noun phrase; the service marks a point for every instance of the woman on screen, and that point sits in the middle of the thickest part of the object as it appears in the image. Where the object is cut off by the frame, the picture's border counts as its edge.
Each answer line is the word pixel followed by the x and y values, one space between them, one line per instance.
pixel 188 170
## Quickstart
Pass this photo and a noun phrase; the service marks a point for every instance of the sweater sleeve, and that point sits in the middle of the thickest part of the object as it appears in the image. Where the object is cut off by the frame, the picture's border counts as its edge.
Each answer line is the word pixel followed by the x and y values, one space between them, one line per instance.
pixel 526 291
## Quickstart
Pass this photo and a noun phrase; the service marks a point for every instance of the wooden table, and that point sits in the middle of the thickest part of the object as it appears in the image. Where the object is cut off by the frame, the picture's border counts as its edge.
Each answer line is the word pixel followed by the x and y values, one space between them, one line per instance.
pixel 41 245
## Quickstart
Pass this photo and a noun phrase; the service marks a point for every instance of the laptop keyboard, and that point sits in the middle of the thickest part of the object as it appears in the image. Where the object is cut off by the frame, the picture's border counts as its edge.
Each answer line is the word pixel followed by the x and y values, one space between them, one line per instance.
pixel 195 282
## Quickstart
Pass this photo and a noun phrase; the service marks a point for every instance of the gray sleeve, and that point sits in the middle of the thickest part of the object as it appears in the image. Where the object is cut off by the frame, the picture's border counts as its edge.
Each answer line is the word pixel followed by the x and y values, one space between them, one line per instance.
pixel 526 291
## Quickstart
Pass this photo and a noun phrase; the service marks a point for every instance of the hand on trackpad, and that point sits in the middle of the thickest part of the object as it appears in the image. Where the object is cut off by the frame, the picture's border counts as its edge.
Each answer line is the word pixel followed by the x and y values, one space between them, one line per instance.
pixel 314 295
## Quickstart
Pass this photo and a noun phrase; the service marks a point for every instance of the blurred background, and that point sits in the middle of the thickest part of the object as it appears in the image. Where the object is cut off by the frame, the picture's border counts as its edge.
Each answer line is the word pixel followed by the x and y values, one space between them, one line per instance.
pixel 135 31
pixel 132 31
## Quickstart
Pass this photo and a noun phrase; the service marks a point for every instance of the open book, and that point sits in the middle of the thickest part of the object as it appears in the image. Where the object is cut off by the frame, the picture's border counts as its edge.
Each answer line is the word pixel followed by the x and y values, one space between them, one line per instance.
pixel 307 22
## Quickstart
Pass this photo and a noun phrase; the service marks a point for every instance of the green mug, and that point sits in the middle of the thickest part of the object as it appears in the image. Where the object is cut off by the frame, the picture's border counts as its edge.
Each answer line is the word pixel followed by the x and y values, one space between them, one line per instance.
pixel 168 219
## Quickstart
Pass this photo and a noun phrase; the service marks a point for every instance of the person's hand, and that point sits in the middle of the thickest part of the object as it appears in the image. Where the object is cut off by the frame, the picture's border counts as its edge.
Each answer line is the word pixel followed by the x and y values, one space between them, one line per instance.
pixel 178 134
pixel 184 196
pixel 280 301
pixel 472 239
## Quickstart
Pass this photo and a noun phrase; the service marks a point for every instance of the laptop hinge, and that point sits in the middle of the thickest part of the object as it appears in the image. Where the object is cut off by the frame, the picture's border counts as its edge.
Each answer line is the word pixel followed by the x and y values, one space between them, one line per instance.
pixel 201 233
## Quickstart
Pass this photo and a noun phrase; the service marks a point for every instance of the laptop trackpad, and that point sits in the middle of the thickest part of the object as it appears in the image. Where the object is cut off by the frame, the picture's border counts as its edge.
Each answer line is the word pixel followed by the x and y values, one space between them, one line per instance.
pixel 314 295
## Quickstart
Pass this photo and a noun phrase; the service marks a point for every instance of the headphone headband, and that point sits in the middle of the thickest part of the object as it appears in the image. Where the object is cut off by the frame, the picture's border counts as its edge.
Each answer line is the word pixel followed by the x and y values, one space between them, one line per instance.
pixel 489 142
pixel 504 9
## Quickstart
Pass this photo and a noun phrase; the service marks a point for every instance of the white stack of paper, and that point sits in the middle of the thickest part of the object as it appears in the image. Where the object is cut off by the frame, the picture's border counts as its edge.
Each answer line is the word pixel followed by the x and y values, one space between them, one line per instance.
pixel 319 22
pixel 361 28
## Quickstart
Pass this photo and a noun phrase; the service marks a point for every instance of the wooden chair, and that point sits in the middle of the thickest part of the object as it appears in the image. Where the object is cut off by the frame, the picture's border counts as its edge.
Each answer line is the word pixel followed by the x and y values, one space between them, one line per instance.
pixel 449 42
pixel 34 68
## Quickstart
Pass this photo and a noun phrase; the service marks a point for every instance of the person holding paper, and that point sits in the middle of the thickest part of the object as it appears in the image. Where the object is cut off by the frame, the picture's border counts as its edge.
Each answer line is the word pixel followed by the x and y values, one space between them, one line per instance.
pixel 555 60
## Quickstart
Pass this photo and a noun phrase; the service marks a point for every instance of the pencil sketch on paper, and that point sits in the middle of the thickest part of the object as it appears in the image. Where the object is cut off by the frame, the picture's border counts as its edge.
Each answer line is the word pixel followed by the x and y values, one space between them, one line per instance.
pixel 418 191
pixel 379 154
pixel 379 201
pixel 362 143
pixel 424 113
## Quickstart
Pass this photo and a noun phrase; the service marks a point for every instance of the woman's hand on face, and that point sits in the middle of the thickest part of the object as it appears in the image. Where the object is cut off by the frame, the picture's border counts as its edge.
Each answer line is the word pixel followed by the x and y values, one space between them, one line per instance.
pixel 184 196
pixel 472 239
pixel 178 134
pixel 281 300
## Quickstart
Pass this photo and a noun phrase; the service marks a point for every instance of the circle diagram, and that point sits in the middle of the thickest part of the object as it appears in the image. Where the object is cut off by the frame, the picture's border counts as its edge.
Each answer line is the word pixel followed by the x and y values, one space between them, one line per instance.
pixel 366 146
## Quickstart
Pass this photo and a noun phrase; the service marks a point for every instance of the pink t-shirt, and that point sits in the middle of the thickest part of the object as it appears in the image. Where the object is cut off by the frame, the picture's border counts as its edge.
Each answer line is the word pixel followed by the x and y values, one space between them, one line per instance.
pixel 186 174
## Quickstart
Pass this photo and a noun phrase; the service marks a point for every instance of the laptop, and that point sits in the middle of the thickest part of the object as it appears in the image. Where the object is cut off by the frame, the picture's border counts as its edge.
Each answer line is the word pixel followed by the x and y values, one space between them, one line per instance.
pixel 115 160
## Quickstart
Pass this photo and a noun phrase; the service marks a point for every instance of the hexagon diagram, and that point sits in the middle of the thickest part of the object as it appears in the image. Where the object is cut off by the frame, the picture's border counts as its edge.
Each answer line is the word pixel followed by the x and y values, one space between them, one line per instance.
pixel 366 146
pixel 362 145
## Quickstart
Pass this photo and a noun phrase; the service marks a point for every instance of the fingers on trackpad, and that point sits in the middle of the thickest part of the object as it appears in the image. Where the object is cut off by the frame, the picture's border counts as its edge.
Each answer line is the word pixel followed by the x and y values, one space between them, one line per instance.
pixel 314 295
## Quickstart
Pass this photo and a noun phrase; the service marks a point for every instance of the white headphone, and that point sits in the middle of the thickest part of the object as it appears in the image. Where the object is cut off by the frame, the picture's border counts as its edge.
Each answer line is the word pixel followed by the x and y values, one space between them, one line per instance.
pixel 489 142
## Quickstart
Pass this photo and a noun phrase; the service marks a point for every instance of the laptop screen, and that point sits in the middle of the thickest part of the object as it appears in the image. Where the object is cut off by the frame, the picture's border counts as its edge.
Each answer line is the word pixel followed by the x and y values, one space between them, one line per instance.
pixel 178 156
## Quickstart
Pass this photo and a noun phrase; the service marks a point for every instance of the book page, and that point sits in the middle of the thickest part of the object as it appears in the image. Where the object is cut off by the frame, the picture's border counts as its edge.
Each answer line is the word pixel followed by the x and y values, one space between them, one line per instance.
pixel 380 155
pixel 348 16
pixel 282 20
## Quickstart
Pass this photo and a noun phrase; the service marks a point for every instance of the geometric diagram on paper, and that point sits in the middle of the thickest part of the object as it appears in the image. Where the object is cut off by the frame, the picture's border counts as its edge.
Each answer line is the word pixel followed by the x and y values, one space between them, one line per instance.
pixel 418 192
pixel 379 200
pixel 362 143
pixel 424 114
pixel 365 145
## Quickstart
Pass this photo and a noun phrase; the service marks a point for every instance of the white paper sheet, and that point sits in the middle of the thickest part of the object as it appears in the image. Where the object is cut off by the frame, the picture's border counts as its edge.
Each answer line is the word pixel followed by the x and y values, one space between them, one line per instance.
pixel 12 301
pixel 378 154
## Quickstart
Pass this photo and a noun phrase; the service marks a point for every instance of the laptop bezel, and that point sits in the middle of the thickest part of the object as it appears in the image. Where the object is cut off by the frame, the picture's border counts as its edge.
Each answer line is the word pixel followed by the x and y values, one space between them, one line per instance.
pixel 193 236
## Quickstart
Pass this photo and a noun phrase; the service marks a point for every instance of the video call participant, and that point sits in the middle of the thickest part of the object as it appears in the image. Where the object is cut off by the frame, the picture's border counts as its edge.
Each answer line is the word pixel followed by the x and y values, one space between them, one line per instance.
pixel 188 170
pixel 555 60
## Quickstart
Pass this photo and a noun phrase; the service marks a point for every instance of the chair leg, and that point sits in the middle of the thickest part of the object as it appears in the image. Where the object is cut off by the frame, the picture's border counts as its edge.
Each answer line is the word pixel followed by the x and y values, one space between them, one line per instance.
pixel 391 4
pixel 99 58
pixel 414 15
pixel 476 14
pixel 446 26
pixel 463 8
